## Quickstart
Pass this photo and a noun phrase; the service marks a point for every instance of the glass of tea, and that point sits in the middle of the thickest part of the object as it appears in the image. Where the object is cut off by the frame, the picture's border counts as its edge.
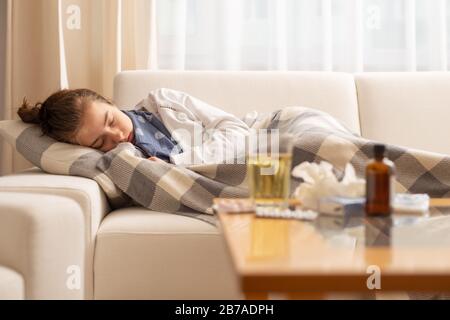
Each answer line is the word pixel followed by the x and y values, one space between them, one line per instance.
pixel 269 164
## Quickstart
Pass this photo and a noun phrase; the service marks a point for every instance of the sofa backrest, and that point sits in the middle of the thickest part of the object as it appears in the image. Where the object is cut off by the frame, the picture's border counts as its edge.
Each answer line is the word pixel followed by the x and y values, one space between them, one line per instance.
pixel 406 108
pixel 403 108
pixel 243 91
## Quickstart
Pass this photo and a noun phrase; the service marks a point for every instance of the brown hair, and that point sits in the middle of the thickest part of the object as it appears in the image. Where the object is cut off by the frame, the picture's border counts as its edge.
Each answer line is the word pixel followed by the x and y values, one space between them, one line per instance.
pixel 59 116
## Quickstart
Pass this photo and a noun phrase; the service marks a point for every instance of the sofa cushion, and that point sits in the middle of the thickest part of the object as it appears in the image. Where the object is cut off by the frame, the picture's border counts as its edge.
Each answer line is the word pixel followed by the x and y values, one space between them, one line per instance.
pixel 406 108
pixel 12 285
pixel 143 254
pixel 59 158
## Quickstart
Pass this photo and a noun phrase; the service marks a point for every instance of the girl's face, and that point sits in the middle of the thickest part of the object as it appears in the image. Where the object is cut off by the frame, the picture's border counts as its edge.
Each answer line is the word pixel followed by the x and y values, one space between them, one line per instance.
pixel 103 127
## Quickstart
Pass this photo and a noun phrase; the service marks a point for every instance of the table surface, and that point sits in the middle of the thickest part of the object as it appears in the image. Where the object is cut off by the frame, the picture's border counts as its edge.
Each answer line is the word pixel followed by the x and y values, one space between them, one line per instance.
pixel 412 252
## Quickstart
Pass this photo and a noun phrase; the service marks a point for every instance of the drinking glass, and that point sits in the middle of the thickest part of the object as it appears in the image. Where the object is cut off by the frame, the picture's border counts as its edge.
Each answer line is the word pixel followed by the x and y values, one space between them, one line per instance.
pixel 269 164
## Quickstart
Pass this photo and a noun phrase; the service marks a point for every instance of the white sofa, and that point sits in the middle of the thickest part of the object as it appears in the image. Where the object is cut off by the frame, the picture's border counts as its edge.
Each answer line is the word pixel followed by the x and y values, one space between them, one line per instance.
pixel 56 228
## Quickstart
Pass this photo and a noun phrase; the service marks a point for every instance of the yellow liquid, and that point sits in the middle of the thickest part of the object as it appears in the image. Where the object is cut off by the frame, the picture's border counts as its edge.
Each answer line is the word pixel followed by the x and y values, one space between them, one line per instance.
pixel 269 178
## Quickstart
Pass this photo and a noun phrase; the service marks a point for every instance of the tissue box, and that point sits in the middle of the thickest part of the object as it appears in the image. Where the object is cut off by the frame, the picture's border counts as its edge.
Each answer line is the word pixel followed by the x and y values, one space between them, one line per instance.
pixel 340 212
pixel 341 206
pixel 403 203
pixel 411 203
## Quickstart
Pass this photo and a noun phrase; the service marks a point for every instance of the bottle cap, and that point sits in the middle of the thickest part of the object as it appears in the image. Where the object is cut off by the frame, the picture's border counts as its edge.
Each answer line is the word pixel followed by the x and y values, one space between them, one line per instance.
pixel 379 150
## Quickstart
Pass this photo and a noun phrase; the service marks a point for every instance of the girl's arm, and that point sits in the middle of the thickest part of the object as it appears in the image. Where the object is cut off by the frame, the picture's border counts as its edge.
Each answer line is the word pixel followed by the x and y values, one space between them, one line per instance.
pixel 182 113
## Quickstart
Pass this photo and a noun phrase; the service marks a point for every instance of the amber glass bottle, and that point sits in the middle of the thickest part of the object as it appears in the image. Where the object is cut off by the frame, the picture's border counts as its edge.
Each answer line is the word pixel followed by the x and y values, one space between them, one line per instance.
pixel 380 175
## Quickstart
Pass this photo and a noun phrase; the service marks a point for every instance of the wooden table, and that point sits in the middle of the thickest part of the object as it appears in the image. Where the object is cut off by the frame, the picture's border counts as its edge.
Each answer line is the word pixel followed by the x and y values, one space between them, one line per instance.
pixel 306 260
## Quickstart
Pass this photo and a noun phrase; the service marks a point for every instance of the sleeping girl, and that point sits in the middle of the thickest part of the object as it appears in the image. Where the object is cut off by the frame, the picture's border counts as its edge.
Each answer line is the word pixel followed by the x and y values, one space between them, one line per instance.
pixel 162 126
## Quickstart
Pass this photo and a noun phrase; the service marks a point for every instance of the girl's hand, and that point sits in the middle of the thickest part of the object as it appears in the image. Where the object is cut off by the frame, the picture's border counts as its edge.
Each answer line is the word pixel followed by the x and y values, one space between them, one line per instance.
pixel 153 158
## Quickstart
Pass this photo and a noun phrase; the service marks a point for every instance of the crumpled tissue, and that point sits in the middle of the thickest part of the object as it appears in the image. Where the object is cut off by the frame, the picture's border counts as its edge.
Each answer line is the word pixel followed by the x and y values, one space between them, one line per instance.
pixel 320 181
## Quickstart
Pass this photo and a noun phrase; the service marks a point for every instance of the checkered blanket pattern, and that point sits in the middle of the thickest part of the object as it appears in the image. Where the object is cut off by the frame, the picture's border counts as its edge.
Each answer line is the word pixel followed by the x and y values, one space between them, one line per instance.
pixel 161 186
pixel 189 190
pixel 320 137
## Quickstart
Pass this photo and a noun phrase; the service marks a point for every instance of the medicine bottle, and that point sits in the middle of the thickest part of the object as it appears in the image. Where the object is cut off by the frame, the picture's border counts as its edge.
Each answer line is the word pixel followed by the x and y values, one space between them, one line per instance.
pixel 380 178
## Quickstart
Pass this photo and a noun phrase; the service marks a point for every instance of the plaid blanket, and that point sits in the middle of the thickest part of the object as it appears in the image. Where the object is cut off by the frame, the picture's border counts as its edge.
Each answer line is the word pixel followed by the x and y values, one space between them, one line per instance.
pixel 189 190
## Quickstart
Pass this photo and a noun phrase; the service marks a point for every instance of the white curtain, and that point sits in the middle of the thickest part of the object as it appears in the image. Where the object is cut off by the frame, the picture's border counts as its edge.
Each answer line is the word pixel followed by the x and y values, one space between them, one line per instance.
pixel 52 44
pixel 328 35
pixel 100 38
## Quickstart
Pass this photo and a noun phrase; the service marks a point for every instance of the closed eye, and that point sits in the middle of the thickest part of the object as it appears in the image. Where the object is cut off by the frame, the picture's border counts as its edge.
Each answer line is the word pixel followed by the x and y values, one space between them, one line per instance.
pixel 100 145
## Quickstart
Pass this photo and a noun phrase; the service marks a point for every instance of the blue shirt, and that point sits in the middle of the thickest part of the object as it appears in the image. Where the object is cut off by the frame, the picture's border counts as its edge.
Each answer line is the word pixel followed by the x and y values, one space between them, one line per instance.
pixel 151 136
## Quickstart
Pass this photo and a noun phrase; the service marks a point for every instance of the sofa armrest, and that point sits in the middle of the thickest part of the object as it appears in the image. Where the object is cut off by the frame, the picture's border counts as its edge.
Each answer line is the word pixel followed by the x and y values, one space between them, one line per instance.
pixel 85 191
pixel 34 185
pixel 11 285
